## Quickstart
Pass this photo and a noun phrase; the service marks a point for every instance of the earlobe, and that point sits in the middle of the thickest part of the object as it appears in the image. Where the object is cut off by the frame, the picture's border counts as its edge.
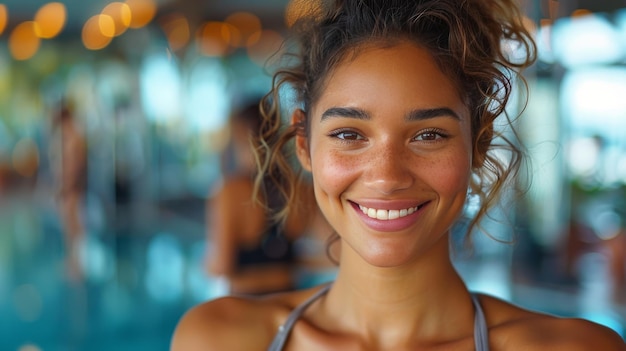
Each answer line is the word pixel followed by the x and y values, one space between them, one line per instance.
pixel 298 119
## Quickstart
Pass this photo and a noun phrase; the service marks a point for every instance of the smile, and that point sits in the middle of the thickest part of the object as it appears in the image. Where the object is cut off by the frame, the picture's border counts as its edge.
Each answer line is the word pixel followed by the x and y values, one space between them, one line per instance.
pixel 386 215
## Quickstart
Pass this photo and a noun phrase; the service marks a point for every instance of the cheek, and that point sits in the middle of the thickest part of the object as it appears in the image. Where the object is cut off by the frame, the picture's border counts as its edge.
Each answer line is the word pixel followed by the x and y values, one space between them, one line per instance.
pixel 451 174
pixel 333 173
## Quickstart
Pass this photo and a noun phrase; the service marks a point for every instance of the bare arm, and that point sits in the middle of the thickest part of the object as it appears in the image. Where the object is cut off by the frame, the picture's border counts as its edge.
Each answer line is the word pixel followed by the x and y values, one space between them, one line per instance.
pixel 221 234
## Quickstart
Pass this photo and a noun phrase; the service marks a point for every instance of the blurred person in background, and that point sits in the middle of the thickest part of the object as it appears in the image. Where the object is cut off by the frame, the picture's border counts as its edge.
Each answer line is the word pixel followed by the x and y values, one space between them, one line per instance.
pixel 616 247
pixel 68 155
pixel 395 122
pixel 245 247
pixel 5 165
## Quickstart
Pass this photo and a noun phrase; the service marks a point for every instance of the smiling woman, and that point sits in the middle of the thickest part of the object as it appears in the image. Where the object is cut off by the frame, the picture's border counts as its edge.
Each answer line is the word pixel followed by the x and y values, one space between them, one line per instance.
pixel 394 126
pixel 408 149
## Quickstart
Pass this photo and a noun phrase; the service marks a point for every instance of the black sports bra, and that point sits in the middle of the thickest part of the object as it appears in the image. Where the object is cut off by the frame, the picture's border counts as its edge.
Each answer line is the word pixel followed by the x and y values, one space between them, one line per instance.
pixel 274 248
pixel 481 337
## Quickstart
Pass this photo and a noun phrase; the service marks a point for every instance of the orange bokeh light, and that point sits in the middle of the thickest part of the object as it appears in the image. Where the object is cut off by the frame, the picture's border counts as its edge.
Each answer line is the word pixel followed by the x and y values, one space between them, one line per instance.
pixel 142 12
pixel 176 28
pixel 213 39
pixel 50 20
pixel 246 25
pixel 106 25
pixel 120 14
pixel 24 42
pixel 4 17
pixel 98 32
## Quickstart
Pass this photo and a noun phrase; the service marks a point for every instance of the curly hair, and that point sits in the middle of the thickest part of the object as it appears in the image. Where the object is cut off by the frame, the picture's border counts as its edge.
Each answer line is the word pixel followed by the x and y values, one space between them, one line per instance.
pixel 469 39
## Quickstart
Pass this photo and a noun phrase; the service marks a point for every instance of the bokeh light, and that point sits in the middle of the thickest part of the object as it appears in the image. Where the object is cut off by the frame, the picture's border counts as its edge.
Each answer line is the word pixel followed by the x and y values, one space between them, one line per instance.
pixel 211 40
pixel 120 13
pixel 176 29
pixel 92 34
pixel 4 17
pixel 587 39
pixel 161 88
pixel 50 20
pixel 106 24
pixel 246 25
pixel 24 42
pixel 142 12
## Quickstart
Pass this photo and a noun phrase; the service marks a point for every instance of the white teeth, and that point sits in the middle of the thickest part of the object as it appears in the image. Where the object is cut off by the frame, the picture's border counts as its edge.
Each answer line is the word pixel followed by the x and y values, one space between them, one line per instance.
pixel 370 212
pixel 387 214
pixel 382 214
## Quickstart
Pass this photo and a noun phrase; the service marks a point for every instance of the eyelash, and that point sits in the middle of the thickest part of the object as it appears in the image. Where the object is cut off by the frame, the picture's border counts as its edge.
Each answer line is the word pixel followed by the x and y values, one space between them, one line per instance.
pixel 438 134
pixel 336 133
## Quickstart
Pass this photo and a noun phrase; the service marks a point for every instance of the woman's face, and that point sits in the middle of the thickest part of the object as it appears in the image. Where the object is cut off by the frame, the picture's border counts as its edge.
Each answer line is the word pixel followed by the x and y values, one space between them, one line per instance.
pixel 389 150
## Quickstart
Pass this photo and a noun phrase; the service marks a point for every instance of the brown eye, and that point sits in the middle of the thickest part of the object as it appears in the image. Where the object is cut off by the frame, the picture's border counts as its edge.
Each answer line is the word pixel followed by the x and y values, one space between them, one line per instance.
pixel 348 135
pixel 430 135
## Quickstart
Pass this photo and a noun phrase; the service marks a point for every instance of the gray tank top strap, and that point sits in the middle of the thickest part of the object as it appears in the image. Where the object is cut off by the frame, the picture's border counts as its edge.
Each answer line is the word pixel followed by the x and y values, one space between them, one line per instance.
pixel 284 330
pixel 481 336
pixel 481 332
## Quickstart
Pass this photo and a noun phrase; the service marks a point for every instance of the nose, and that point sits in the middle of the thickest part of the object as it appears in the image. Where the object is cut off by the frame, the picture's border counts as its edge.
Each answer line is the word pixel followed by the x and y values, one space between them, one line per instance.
pixel 388 168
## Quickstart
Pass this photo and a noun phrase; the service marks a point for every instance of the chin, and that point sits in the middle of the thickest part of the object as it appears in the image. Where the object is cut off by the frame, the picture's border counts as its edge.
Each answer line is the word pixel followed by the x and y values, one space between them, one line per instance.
pixel 397 251
pixel 387 256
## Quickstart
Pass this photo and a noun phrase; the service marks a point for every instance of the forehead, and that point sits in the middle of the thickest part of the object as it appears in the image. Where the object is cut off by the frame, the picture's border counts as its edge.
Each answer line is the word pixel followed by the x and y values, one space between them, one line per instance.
pixel 399 73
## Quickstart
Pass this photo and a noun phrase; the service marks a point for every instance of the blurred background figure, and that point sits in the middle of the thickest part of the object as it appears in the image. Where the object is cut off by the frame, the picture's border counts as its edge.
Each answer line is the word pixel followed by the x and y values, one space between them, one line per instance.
pixel 616 247
pixel 254 254
pixel 68 161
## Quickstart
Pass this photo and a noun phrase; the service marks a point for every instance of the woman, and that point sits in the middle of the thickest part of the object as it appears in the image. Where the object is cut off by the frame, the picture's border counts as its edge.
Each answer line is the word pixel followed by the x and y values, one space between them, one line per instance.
pixel 253 254
pixel 395 124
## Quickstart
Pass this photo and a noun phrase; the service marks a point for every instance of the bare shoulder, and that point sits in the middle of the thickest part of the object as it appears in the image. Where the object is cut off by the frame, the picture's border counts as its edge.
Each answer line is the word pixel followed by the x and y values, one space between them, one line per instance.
pixel 234 323
pixel 220 324
pixel 512 327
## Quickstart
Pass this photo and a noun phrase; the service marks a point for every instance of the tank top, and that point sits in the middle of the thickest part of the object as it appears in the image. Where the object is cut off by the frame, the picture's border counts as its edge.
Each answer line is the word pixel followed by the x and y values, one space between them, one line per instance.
pixel 481 338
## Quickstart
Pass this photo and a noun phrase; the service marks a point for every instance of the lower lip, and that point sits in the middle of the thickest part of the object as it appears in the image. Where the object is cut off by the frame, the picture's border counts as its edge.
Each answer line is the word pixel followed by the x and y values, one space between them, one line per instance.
pixel 392 225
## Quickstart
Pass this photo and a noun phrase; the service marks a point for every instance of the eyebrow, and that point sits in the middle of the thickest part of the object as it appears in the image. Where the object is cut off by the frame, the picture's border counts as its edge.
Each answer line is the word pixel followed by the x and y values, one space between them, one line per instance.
pixel 347 112
pixel 414 115
pixel 423 114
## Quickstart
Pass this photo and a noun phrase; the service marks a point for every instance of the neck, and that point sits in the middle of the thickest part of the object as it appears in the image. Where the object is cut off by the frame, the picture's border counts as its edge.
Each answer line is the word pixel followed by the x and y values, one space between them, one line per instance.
pixel 418 300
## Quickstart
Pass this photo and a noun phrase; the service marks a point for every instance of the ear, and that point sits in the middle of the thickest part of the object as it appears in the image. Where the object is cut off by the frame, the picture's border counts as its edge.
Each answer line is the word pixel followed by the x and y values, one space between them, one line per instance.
pixel 298 119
